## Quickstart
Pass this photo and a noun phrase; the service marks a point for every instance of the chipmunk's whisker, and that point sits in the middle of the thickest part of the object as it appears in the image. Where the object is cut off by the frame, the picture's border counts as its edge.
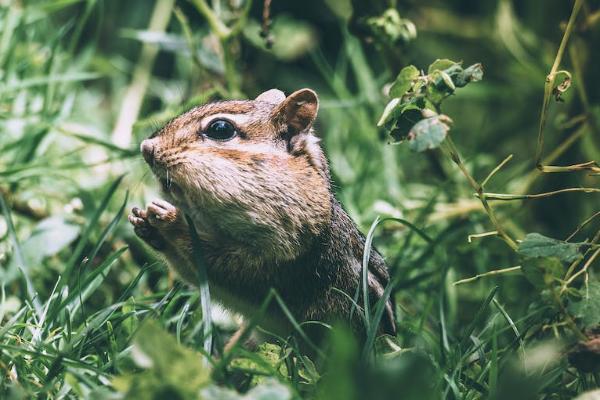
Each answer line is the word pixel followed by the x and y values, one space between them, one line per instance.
pixel 168 180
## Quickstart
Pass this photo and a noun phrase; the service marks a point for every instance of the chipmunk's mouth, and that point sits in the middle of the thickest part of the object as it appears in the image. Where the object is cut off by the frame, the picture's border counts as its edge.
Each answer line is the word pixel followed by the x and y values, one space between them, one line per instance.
pixel 168 186
pixel 164 176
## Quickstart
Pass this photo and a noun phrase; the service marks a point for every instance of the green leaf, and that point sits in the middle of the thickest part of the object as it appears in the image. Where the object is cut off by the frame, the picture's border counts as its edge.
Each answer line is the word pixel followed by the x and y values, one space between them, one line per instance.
pixel 593 394
pixel 270 389
pixel 404 81
pixel 447 80
pixel 588 309
pixel 438 88
pixel 410 114
pixel 169 369
pixel 474 73
pixel 387 112
pixel 428 133
pixel 49 237
pixel 440 64
pixel 46 80
pixel 130 323
pixel 542 271
pixel 391 27
pixel 294 38
pixel 537 245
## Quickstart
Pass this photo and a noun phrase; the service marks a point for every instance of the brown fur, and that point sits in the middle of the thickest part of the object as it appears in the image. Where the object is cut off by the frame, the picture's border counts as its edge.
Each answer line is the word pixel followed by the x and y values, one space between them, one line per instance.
pixel 262 205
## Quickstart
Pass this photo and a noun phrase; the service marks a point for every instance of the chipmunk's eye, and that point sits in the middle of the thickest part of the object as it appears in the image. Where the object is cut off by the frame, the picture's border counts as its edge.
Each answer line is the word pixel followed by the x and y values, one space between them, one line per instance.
pixel 220 129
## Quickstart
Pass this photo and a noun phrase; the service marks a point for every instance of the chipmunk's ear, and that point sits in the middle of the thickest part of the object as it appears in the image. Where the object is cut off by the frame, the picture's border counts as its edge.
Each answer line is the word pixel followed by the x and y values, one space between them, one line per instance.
pixel 273 96
pixel 293 118
pixel 297 112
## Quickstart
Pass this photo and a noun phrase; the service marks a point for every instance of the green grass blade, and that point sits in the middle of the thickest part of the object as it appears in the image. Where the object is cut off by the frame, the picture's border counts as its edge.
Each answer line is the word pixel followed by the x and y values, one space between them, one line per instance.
pixel 203 285
pixel 31 293
pixel 478 317
pixel 85 236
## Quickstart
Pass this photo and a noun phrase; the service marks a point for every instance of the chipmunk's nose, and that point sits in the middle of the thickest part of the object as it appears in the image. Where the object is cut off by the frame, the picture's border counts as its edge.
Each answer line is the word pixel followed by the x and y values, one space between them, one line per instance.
pixel 147 149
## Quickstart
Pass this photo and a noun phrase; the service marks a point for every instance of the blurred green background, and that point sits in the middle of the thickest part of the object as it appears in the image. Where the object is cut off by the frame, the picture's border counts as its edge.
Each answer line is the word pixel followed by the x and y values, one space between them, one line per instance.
pixel 83 82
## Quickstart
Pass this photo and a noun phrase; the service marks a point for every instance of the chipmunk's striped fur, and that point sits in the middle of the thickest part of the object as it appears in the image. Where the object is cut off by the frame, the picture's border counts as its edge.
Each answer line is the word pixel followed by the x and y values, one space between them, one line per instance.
pixel 261 202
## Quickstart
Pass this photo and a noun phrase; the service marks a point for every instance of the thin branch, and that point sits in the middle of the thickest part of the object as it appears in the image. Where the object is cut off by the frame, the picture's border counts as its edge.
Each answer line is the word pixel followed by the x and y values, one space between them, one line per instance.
pixel 591 246
pixel 581 226
pixel 215 24
pixel 189 36
pixel 450 147
pixel 505 196
pixel 226 36
pixel 489 273
pixel 551 78
pixel 480 235
pixel 502 164
pixel 134 95
pixel 585 267
pixel 562 148
pixel 586 166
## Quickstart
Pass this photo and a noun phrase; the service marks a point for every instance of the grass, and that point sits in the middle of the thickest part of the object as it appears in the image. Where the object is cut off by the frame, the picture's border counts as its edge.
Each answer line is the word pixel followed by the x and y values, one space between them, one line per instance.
pixel 485 308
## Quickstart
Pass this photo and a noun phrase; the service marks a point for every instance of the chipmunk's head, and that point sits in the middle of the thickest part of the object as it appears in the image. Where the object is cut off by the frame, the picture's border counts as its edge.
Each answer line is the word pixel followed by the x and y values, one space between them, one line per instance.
pixel 247 172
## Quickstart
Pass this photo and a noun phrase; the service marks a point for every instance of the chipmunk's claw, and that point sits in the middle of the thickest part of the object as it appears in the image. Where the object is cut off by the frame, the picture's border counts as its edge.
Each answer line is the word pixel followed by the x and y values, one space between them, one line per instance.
pixel 162 214
pixel 144 230
pixel 155 222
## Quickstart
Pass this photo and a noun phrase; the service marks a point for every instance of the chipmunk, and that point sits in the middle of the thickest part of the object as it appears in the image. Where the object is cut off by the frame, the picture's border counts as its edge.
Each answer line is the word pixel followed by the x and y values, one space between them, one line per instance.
pixel 254 180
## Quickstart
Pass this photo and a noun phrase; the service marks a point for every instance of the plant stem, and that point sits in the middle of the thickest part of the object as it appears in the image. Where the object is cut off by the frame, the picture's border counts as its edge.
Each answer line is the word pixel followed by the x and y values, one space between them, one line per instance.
pixel 585 267
pixel 495 170
pixel 231 72
pixel 582 225
pixel 134 96
pixel 480 235
pixel 215 24
pixel 506 196
pixel 455 157
pixel 568 318
pixel 564 146
pixel 490 273
pixel 550 79
pixel 226 36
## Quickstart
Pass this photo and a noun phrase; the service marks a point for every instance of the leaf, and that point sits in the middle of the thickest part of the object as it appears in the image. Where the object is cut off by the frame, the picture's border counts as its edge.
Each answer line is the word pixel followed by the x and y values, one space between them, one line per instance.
pixel 410 114
pixel 387 112
pixel 542 271
pixel 474 73
pixel 293 38
pixel 447 80
pixel 428 133
pixel 169 369
pixel 440 64
pixel 130 323
pixel 47 80
pixel 52 235
pixel 404 81
pixel 440 86
pixel 48 237
pixel 165 41
pixel 391 27
pixel 563 86
pixel 341 8
pixel 537 245
pixel 588 309
pixel 270 389
pixel 163 349
pixel 593 394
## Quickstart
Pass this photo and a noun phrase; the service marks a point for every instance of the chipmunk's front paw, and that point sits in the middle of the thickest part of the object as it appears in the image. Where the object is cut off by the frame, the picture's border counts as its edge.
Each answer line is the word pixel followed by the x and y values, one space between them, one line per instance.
pixel 164 216
pixel 144 230
pixel 158 221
